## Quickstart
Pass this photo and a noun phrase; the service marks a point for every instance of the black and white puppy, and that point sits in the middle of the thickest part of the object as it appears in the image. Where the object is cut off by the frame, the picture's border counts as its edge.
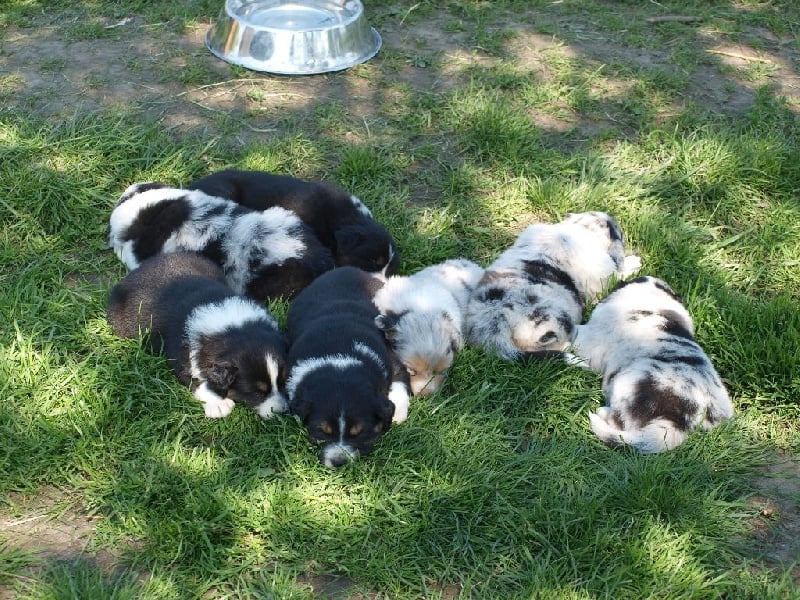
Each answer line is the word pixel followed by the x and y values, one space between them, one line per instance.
pixel 341 221
pixel 264 254
pixel 344 383
pixel 531 298
pixel 422 317
pixel 226 347
pixel 659 384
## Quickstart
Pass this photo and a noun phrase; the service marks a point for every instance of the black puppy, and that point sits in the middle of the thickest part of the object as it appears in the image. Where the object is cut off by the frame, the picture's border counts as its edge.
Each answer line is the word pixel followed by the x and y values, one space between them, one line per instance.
pixel 344 383
pixel 341 221
pixel 227 347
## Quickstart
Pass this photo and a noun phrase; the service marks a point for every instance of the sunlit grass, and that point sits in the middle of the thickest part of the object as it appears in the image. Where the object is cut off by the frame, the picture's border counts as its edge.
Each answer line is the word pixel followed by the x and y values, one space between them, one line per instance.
pixel 495 486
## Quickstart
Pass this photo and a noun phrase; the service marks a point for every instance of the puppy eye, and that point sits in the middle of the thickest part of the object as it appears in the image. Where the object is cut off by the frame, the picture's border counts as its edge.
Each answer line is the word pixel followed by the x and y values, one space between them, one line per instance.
pixel 547 338
pixel 411 372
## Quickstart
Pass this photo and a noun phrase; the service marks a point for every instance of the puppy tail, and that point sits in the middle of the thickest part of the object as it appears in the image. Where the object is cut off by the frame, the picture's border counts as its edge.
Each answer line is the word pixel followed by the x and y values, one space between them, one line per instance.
pixel 657 436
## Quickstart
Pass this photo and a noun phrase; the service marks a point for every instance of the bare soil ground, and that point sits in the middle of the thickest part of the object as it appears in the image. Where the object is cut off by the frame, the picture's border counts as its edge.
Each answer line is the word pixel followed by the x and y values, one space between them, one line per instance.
pixel 131 67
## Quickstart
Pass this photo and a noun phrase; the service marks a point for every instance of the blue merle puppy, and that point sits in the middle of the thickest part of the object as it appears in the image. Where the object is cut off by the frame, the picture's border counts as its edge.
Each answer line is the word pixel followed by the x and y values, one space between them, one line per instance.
pixel 658 382
pixel 531 298
pixel 342 222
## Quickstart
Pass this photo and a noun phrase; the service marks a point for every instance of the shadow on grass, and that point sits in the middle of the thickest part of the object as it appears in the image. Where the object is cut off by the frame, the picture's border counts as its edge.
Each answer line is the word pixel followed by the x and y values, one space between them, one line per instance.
pixel 491 488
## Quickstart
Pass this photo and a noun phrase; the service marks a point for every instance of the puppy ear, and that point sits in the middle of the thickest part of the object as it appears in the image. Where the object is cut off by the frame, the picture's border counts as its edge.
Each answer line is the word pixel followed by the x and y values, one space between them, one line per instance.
pixel 348 238
pixel 387 323
pixel 220 375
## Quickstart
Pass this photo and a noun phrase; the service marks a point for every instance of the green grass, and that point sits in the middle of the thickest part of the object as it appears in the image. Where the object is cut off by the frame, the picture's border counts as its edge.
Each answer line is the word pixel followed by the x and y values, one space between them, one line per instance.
pixel 495 487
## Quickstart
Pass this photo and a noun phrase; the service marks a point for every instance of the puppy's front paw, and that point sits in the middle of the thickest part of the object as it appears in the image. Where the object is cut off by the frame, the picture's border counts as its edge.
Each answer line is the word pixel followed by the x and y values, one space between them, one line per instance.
pixel 575 361
pixel 217 409
pixel 631 265
pixel 398 395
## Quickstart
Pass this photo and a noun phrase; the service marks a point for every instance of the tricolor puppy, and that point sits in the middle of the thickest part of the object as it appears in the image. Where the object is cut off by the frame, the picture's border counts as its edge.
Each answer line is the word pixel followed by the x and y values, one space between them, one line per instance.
pixel 531 298
pixel 344 383
pixel 658 382
pixel 341 221
pixel 226 347
pixel 264 254
pixel 422 316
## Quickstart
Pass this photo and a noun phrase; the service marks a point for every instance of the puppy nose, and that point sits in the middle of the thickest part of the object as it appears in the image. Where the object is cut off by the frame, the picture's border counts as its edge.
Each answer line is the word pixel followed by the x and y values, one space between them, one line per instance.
pixel 336 461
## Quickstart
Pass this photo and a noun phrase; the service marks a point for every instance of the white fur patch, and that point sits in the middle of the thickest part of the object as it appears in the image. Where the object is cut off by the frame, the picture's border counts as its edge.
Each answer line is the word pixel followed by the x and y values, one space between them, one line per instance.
pixel 276 402
pixel 303 368
pixel 216 318
pixel 361 207
pixel 398 395
pixel 260 237
pixel 369 353
pixel 214 406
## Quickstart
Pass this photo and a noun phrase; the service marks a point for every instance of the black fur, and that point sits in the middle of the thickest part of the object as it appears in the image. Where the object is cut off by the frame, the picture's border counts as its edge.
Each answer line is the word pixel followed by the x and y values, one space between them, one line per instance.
pixel 353 238
pixel 160 296
pixel 329 318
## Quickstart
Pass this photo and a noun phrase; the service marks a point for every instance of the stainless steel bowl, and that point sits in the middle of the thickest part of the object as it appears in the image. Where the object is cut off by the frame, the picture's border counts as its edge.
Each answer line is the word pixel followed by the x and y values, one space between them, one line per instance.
pixel 299 37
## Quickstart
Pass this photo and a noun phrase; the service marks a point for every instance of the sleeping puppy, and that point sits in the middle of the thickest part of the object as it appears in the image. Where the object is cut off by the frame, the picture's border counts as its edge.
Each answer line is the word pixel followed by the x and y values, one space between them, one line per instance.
pixel 530 299
pixel 341 221
pixel 658 383
pixel 264 255
pixel 226 347
pixel 422 315
pixel 343 382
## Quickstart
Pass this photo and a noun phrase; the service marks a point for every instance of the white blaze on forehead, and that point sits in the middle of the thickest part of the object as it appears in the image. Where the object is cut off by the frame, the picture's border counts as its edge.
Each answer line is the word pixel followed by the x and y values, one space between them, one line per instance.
pixel 304 367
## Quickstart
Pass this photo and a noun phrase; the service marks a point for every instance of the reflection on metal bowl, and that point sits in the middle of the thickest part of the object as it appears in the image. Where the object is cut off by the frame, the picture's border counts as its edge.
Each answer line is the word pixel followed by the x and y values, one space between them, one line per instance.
pixel 299 37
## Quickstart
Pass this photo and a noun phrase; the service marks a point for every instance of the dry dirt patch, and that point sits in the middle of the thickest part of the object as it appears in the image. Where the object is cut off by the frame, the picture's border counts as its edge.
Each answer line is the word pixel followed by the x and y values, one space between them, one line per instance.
pixel 138 70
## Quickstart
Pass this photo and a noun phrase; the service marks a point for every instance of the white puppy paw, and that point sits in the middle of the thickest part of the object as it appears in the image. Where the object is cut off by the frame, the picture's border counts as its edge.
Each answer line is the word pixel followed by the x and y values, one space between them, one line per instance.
pixel 214 405
pixel 631 265
pixel 272 406
pixel 398 395
pixel 217 409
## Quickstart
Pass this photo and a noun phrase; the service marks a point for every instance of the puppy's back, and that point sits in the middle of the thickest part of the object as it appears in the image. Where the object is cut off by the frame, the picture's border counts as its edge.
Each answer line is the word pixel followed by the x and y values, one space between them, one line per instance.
pixel 345 292
pixel 260 190
pixel 159 294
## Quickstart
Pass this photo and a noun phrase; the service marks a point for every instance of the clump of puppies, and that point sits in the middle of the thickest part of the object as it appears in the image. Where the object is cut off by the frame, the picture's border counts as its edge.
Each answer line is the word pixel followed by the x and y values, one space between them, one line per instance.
pixel 361 340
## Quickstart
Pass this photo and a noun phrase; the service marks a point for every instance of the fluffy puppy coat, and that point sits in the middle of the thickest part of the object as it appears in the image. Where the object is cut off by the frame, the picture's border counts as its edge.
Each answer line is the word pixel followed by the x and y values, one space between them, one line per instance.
pixel 531 298
pixel 343 382
pixel 658 382
pixel 226 347
pixel 264 255
pixel 341 221
pixel 422 315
